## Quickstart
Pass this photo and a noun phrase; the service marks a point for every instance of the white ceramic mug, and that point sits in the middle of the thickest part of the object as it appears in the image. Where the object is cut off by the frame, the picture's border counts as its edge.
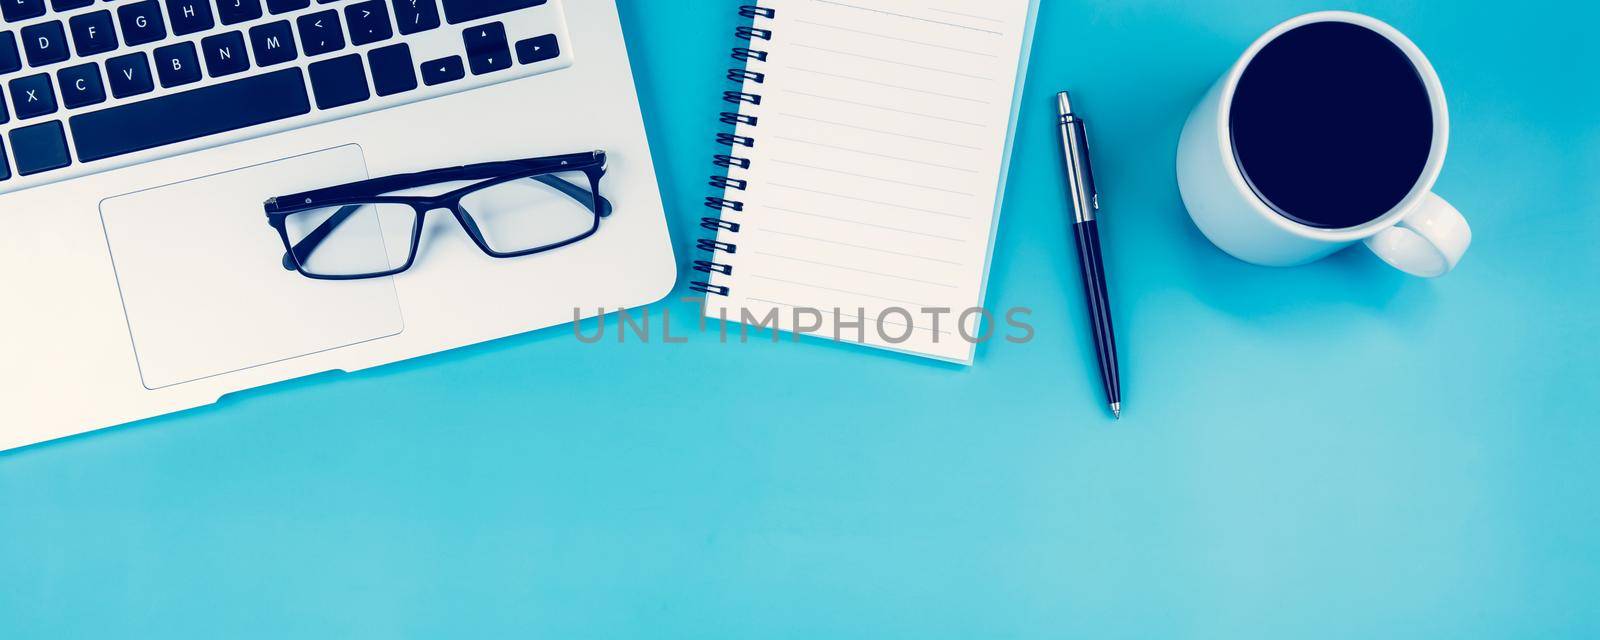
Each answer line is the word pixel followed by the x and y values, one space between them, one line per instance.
pixel 1423 235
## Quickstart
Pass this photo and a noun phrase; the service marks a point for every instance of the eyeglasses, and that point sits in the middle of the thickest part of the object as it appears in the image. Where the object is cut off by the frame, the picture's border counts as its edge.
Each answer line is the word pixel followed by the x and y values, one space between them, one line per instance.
pixel 511 209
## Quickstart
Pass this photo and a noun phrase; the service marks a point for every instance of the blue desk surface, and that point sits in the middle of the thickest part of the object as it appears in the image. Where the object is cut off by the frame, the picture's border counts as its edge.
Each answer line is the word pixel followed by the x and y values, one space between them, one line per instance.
pixel 1330 451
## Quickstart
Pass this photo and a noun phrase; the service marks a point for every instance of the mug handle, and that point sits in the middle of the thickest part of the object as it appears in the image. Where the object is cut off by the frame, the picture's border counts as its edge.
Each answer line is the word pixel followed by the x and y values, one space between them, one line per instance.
pixel 1428 242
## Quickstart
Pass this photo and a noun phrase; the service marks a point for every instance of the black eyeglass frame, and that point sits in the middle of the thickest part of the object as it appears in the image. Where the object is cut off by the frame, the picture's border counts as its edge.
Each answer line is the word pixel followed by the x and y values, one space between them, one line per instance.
pixel 371 192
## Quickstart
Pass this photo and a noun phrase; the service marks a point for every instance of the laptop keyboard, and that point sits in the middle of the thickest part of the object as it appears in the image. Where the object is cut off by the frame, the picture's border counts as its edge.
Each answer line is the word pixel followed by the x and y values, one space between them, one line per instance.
pixel 88 86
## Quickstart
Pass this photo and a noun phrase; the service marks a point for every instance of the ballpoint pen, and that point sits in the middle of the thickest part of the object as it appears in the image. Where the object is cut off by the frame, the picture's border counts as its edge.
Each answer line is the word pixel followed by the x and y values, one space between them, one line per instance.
pixel 1085 202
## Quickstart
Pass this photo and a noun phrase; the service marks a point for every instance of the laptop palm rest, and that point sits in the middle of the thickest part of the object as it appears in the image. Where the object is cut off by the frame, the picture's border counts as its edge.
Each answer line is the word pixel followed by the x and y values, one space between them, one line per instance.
pixel 202 280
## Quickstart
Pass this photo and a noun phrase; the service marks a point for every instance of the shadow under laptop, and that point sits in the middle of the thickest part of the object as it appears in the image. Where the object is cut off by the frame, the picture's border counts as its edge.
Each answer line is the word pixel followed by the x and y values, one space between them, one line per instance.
pixel 173 424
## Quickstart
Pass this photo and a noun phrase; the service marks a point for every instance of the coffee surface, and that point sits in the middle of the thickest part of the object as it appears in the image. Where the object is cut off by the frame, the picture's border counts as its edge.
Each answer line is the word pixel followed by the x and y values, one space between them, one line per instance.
pixel 1332 125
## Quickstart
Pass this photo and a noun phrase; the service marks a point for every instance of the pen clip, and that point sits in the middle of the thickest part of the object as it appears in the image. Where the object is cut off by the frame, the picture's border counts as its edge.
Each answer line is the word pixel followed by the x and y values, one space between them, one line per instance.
pixel 1088 165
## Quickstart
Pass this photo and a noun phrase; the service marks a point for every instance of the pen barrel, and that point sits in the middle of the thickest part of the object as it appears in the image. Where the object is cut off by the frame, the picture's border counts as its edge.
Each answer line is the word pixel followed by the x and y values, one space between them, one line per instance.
pixel 1079 171
pixel 1099 304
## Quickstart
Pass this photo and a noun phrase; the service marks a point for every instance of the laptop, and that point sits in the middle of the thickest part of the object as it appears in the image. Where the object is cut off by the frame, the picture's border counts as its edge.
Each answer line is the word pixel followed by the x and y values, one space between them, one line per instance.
pixel 138 273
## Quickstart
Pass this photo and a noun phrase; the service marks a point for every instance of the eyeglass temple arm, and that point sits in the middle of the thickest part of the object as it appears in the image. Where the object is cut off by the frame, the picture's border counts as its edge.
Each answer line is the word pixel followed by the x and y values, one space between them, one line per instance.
pixel 308 244
pixel 481 171
pixel 302 249
pixel 583 196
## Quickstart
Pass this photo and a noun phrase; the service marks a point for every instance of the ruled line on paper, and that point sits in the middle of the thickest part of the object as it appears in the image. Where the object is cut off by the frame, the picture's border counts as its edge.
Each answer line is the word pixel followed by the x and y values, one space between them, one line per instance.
pixel 866 224
pixel 907 16
pixel 883 108
pixel 859 246
pixel 897 62
pixel 942 332
pixel 891 86
pixel 865 176
pixel 967 15
pixel 857 270
pixel 878 202
pixel 882 131
pixel 905 40
pixel 875 183
pixel 837 290
pixel 876 155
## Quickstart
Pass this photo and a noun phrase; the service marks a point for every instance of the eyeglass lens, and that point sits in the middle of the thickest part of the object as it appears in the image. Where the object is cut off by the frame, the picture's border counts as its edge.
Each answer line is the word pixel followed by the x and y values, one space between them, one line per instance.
pixel 514 216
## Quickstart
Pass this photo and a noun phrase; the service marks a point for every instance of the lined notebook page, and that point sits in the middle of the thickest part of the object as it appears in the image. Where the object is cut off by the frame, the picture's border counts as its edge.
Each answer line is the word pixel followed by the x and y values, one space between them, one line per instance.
pixel 877 167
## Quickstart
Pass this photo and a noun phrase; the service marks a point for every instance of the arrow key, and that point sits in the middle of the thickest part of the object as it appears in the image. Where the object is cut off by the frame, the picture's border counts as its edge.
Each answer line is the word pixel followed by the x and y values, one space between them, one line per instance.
pixel 538 49
pixel 442 70
pixel 486 48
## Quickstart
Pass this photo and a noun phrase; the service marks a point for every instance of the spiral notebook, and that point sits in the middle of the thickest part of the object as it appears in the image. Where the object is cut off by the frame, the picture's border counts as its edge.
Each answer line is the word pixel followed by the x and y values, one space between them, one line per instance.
pixel 868 149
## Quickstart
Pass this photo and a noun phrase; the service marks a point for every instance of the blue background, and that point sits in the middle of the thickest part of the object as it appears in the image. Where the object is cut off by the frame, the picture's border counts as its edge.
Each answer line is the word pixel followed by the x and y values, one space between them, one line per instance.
pixel 1329 451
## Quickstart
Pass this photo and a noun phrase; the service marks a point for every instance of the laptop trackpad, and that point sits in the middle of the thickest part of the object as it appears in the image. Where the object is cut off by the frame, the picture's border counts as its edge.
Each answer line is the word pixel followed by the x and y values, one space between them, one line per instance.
pixel 202 278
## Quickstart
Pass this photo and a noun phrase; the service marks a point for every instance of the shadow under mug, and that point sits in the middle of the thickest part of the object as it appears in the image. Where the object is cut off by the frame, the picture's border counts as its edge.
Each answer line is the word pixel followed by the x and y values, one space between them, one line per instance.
pixel 1423 235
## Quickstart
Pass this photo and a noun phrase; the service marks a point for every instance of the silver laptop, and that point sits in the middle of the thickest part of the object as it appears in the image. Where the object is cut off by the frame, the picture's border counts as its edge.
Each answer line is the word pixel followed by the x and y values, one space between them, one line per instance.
pixel 138 273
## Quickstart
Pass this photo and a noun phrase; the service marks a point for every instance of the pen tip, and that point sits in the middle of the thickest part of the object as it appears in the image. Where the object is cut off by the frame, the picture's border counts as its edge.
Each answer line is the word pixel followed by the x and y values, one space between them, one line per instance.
pixel 1116 410
pixel 1064 103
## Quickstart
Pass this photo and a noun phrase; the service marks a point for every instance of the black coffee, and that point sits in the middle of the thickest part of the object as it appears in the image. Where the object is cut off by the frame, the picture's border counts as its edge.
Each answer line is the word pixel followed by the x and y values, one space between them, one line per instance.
pixel 1332 125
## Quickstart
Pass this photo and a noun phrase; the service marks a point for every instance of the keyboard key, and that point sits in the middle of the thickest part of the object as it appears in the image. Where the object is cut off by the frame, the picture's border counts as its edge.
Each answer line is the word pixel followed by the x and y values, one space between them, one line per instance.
pixel 129 75
pixel 32 96
pixel 285 6
pixel 369 22
pixel 486 48
pixel 237 11
pixel 320 32
pixel 141 23
pixel 177 64
pixel 338 82
pixel 209 110
pixel 39 148
pixel 190 16
pixel 59 6
pixel 273 43
pixel 10 58
pixel 392 69
pixel 225 54
pixel 458 11
pixel 538 49
pixel 19 10
pixel 4 116
pixel 81 85
pixel 5 169
pixel 44 43
pixel 92 33
pixel 414 16
pixel 442 70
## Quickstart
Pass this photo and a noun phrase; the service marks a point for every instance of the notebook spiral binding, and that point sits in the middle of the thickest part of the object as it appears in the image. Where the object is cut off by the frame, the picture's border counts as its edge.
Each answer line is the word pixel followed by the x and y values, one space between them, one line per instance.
pixel 727 202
